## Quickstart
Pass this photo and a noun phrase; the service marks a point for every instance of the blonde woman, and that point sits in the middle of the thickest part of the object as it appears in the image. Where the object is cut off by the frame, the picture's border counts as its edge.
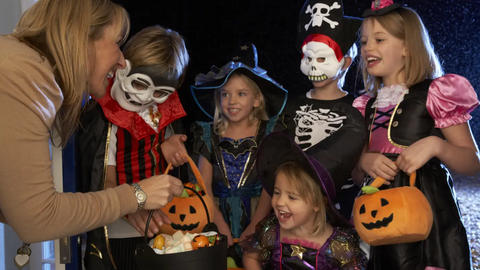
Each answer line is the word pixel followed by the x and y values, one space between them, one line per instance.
pixel 60 52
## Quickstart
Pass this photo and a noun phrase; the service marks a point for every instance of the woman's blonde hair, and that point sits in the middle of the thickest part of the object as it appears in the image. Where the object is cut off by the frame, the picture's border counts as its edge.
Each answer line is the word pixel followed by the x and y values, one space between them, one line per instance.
pixel 64 32
pixel 220 122
pixel 159 47
pixel 308 189
pixel 421 62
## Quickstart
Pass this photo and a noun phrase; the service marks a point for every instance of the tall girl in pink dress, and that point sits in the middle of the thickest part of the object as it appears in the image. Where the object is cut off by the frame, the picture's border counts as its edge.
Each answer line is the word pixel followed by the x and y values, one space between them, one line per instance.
pixel 418 121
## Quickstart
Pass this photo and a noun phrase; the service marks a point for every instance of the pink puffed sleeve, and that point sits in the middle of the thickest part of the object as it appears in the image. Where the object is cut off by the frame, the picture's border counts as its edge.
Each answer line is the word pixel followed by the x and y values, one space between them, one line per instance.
pixel 361 103
pixel 451 98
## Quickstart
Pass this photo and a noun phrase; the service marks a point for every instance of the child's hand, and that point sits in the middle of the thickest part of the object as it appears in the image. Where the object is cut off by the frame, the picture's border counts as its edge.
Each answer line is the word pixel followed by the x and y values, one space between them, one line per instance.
pixel 173 148
pixel 248 231
pixel 225 230
pixel 376 164
pixel 417 154
pixel 139 221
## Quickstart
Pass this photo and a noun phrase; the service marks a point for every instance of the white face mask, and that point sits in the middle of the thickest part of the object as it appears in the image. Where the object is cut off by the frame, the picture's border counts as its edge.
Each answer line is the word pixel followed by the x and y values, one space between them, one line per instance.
pixel 319 61
pixel 137 89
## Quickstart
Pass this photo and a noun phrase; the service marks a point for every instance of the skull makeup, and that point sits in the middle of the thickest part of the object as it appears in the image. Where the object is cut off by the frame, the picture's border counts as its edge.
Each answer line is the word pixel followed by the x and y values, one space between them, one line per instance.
pixel 320 62
pixel 137 88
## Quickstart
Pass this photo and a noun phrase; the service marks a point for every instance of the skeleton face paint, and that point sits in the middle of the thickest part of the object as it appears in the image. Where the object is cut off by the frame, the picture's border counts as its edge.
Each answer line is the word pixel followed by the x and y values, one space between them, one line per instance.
pixel 319 61
pixel 138 88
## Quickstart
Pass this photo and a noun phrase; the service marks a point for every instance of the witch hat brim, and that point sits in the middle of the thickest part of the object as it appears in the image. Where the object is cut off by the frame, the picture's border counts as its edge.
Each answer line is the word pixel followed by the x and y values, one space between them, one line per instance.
pixel 204 94
pixel 276 149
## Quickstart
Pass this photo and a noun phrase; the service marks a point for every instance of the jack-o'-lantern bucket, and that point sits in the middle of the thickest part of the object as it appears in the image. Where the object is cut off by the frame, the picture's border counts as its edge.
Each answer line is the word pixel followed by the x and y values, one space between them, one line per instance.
pixel 187 214
pixel 392 216
pixel 208 258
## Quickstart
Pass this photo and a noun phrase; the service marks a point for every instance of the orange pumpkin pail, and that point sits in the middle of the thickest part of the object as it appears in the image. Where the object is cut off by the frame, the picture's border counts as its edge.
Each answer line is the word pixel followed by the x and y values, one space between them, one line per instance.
pixel 188 214
pixel 207 258
pixel 392 216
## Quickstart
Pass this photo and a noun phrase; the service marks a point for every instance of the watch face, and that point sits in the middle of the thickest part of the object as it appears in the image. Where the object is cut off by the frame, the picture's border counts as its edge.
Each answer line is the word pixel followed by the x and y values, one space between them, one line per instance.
pixel 141 196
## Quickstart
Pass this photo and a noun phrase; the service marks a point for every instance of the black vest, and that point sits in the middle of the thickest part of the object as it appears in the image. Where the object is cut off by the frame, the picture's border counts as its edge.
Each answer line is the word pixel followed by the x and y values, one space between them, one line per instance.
pixel 410 120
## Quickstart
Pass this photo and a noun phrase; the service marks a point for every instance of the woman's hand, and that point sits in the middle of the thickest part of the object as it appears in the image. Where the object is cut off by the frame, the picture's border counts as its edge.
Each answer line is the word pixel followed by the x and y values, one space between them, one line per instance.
pixel 160 190
pixel 419 153
pixel 173 149
pixel 139 221
pixel 376 164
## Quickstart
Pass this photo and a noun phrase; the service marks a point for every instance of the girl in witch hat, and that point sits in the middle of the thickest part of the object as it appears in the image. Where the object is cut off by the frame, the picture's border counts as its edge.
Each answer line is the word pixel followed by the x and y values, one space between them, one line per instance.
pixel 305 231
pixel 418 121
pixel 243 102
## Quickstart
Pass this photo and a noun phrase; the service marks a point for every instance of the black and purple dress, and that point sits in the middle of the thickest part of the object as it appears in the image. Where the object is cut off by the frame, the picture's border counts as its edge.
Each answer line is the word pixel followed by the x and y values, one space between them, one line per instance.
pixel 340 251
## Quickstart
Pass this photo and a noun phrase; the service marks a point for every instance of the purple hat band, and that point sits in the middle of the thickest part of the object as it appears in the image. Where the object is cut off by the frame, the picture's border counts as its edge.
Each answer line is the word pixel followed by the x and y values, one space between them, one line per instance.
pixel 325 179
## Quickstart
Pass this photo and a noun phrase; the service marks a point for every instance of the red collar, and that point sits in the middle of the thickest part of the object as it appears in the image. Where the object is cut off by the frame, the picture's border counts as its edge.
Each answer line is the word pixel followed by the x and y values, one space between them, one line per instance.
pixel 170 111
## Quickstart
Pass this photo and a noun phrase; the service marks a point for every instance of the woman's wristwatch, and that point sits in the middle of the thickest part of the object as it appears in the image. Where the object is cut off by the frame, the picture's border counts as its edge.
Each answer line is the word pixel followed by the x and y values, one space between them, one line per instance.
pixel 140 195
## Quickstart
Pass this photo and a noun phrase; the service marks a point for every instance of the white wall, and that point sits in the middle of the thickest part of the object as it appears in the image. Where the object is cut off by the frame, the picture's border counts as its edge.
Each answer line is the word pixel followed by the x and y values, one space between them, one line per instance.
pixel 10 11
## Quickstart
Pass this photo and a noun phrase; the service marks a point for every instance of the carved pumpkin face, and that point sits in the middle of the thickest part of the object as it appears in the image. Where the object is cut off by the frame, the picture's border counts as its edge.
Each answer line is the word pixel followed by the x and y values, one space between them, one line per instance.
pixel 187 214
pixel 396 215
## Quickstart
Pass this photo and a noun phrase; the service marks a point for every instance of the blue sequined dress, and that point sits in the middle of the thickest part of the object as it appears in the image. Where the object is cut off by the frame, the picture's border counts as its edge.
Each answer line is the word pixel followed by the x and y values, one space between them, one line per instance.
pixel 234 183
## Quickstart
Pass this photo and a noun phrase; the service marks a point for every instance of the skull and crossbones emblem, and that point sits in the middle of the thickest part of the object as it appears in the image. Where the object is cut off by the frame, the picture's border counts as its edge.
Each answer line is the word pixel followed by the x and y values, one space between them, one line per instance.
pixel 319 13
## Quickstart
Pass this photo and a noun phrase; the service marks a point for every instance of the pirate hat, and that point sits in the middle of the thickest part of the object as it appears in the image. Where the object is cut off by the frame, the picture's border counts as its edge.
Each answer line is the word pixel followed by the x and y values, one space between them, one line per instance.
pixel 276 149
pixel 380 7
pixel 325 18
pixel 243 60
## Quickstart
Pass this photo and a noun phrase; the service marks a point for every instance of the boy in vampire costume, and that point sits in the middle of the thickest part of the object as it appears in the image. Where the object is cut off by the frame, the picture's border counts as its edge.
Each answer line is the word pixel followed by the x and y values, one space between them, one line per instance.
pixel 130 132
pixel 317 120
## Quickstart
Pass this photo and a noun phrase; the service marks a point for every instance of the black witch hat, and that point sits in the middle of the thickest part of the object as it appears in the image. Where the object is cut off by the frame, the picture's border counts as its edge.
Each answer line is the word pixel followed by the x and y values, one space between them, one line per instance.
pixel 276 149
pixel 325 17
pixel 380 7
pixel 244 60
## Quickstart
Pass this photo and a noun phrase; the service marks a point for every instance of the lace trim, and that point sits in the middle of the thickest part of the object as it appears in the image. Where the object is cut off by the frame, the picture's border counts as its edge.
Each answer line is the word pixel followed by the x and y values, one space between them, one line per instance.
pixel 390 95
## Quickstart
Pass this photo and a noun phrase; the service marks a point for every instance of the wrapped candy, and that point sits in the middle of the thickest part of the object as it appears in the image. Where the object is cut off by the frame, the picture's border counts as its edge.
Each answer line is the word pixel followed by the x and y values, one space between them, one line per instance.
pixel 179 242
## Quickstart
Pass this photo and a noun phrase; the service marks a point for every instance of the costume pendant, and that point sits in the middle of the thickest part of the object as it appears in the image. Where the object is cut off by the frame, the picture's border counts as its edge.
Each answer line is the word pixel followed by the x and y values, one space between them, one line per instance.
pixel 297 250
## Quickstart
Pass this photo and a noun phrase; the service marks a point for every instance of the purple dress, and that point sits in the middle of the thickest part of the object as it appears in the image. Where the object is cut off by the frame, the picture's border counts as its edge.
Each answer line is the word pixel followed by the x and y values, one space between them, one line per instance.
pixel 340 251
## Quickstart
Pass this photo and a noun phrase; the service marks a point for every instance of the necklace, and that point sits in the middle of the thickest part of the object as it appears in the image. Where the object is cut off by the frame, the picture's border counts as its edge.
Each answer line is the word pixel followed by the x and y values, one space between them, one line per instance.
pixel 154 116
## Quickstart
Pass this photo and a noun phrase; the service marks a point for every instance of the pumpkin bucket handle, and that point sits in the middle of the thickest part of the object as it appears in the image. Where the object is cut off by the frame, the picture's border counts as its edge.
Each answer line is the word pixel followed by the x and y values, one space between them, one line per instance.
pixel 379 181
pixel 197 174
pixel 195 171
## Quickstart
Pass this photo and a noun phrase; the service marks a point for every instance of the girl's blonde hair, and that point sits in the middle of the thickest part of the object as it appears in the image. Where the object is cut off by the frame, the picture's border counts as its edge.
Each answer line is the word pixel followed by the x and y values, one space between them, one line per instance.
pixel 220 122
pixel 421 62
pixel 159 47
pixel 64 32
pixel 308 189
